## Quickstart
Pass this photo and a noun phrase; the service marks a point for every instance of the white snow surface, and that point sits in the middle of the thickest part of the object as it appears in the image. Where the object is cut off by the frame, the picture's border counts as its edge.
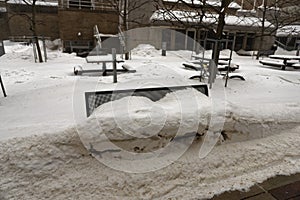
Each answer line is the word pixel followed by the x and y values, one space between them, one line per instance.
pixel 42 155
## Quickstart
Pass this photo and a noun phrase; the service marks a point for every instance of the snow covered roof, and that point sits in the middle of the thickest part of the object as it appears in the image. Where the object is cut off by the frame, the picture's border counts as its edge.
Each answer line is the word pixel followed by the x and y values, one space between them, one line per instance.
pixel 194 17
pixel 216 3
pixel 291 30
pixel 38 2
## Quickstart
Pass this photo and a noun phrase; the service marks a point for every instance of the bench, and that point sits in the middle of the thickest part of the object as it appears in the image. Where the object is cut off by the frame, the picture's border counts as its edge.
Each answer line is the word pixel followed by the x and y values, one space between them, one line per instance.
pixel 78 70
pixel 272 63
pixel 204 72
pixel 285 61
pixel 296 65
pixel 96 99
pixel 266 52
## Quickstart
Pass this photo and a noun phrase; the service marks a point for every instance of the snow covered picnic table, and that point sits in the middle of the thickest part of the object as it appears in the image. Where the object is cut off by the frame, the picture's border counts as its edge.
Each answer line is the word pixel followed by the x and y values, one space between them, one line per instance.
pixel 198 57
pixel 101 60
pixel 285 59
pixel 223 64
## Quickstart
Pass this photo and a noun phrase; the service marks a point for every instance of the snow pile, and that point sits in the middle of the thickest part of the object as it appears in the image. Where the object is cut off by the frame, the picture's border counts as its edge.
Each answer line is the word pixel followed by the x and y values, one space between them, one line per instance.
pixel 58 166
pixel 261 130
pixel 145 50
pixel 13 50
pixel 248 122
pixel 152 123
pixel 281 51
pixel 54 45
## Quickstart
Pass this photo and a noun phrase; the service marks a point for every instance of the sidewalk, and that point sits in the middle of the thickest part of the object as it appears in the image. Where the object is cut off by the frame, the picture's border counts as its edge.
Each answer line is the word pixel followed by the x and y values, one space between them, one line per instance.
pixel 277 188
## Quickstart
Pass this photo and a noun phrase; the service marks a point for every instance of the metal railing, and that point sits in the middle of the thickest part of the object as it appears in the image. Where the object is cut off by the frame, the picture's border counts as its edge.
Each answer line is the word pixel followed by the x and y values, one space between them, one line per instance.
pixel 26 38
pixel 87 4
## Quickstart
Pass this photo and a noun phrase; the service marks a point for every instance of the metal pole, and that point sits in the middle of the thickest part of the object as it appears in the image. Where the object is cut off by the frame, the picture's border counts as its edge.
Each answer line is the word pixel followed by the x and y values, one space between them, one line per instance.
pixel 298 47
pixel 2 86
pixel 212 73
pixel 114 57
pixel 228 69
pixel 34 49
pixel 45 50
pixel 164 49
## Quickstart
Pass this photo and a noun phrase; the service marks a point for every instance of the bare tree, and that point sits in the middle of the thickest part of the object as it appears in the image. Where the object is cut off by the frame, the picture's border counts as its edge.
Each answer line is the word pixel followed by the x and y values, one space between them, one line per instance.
pixel 129 15
pixel 276 14
pixel 198 14
pixel 31 18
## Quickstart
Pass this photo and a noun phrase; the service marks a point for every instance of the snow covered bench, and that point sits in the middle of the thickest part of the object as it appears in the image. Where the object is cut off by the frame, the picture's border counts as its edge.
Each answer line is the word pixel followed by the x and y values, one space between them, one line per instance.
pixel 204 72
pixel 96 99
pixel 124 68
pixel 296 65
pixel 266 52
pixel 282 61
pixel 273 63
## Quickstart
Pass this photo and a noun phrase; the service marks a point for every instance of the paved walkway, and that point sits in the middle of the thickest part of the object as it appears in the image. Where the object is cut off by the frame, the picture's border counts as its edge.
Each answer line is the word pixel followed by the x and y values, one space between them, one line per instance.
pixel 277 188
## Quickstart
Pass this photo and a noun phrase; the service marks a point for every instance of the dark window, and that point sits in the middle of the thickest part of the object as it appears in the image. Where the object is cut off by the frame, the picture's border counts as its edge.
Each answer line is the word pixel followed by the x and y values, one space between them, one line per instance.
pixel 179 39
pixel 81 4
pixel 190 40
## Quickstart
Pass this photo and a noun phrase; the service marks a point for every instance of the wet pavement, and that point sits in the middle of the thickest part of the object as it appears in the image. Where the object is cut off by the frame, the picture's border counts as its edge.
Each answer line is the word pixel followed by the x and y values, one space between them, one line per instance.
pixel 276 188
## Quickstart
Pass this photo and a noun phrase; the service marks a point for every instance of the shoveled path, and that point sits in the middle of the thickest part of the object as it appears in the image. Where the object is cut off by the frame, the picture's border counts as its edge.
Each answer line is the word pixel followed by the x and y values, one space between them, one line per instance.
pixel 277 188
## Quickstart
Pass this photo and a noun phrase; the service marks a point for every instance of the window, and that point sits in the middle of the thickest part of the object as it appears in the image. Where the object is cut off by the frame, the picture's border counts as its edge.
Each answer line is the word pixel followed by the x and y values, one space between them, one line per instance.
pixel 90 4
pixel 81 4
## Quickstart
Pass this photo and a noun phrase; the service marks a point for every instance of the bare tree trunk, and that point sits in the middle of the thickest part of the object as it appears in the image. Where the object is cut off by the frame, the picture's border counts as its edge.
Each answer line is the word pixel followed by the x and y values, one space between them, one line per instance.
pixel 262 29
pixel 125 28
pixel 35 37
pixel 220 28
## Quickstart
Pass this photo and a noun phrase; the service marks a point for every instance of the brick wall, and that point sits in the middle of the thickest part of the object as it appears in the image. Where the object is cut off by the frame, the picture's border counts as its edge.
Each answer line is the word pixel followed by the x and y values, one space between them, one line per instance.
pixel 46 18
pixel 71 22
pixel 4 33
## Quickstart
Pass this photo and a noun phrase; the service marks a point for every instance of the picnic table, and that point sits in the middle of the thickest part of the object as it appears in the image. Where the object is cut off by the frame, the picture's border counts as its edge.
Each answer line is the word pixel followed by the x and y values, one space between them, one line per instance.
pixel 198 57
pixel 222 65
pixel 200 64
pixel 285 59
pixel 101 60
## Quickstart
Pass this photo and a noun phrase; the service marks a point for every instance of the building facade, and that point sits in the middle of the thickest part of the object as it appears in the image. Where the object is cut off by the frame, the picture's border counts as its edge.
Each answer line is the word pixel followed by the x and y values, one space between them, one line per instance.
pixel 73 21
pixel 77 19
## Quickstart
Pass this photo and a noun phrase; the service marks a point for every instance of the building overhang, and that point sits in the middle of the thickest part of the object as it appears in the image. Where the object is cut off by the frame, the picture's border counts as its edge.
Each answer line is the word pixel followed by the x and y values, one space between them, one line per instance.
pixel 191 18
pixel 212 3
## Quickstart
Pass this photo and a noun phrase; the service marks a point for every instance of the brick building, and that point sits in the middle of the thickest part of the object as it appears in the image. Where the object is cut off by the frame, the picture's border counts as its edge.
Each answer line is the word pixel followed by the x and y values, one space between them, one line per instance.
pixel 77 19
pixel 73 21
pixel 19 19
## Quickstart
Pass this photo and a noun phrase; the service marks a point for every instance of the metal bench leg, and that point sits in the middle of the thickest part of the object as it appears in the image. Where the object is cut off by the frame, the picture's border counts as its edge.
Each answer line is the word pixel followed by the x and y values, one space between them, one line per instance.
pixel 2 86
pixel 104 73
pixel 285 64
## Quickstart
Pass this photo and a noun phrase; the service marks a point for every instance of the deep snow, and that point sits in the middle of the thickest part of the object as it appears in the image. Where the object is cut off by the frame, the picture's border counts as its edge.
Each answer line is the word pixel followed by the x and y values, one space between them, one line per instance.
pixel 262 121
